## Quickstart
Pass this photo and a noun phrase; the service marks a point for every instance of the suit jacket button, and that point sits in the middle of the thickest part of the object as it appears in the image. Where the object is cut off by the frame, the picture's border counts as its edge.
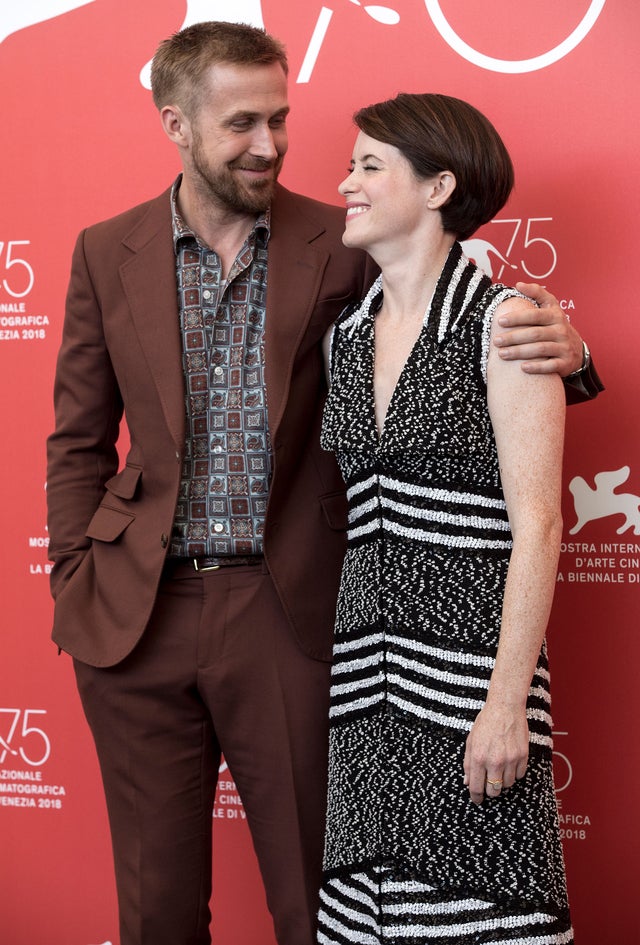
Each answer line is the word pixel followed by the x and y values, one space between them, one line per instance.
pixel 164 541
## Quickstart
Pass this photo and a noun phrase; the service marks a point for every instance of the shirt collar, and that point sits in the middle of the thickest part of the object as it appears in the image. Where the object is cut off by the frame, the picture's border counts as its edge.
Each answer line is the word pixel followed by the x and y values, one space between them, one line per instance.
pixel 260 232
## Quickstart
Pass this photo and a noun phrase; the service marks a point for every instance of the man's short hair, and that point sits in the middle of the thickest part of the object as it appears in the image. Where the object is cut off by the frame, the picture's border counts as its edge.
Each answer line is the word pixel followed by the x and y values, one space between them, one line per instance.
pixel 181 62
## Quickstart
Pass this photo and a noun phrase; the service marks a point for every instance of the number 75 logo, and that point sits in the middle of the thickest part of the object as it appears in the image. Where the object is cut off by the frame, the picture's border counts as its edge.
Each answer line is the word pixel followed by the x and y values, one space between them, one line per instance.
pixel 537 255
pixel 34 746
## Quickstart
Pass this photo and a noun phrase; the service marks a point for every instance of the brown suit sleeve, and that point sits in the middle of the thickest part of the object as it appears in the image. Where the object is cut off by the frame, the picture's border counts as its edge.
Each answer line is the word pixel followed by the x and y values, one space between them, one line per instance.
pixel 583 386
pixel 81 452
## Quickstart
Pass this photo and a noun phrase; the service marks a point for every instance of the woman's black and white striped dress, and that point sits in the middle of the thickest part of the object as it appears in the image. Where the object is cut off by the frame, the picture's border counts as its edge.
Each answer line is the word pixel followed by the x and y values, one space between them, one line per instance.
pixel 409 859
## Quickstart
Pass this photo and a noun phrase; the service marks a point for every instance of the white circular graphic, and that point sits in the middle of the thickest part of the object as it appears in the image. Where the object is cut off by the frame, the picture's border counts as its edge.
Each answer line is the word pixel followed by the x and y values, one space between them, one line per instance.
pixel 512 65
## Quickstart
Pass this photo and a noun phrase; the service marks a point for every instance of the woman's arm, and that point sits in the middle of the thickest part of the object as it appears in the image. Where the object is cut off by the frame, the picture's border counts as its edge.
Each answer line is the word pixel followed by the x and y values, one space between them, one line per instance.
pixel 527 413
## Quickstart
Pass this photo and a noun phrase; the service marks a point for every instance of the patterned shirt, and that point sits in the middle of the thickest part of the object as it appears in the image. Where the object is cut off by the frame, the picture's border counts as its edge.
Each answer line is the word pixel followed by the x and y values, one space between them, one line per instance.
pixel 224 488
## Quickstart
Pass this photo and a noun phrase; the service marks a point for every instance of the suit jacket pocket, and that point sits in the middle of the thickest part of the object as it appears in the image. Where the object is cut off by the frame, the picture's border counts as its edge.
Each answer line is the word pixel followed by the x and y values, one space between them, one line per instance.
pixel 334 506
pixel 108 523
pixel 124 483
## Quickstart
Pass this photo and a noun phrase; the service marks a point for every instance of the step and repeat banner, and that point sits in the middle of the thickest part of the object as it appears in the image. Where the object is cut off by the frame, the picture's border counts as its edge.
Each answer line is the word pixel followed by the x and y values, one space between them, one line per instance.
pixel 82 141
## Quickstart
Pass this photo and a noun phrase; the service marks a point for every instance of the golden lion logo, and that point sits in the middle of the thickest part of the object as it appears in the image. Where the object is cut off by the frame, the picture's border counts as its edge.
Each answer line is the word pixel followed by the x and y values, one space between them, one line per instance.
pixel 591 504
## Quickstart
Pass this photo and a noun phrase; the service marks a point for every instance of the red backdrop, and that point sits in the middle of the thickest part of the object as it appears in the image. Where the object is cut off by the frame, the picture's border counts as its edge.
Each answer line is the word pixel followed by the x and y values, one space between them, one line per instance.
pixel 82 141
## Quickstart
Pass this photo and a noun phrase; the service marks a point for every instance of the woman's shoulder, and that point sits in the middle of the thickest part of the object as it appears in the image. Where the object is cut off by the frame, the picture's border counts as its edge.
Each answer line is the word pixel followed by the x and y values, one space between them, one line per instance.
pixel 498 295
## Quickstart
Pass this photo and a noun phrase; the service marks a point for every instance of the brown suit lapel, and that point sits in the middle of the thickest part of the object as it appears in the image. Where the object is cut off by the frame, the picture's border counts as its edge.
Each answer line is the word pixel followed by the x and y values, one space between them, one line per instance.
pixel 149 282
pixel 295 276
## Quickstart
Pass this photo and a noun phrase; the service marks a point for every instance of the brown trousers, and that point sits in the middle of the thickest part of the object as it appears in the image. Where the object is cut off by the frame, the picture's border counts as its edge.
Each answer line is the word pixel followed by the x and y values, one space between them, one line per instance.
pixel 218 670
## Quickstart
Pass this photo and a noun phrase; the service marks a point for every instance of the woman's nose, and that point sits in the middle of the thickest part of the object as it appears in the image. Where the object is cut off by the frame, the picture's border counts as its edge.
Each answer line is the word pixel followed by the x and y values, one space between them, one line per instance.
pixel 346 186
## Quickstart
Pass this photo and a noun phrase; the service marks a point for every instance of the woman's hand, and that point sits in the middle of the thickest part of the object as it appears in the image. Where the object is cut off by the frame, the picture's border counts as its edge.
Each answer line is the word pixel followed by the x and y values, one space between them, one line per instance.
pixel 497 751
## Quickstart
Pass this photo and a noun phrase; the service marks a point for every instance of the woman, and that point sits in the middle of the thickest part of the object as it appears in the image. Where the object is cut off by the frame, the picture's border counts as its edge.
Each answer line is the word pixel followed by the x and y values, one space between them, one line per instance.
pixel 442 824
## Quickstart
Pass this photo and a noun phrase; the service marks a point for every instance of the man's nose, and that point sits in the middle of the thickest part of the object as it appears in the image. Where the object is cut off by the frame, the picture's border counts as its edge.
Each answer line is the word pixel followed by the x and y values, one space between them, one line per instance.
pixel 263 143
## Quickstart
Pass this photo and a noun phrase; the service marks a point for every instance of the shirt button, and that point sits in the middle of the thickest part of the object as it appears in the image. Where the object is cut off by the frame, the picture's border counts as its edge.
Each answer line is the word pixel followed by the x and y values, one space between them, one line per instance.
pixel 206 294
pixel 218 527
pixel 217 371
pixel 217 449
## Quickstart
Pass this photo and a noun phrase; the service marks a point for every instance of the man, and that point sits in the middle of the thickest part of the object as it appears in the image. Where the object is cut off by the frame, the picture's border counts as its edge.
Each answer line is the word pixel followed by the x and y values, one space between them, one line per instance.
pixel 196 587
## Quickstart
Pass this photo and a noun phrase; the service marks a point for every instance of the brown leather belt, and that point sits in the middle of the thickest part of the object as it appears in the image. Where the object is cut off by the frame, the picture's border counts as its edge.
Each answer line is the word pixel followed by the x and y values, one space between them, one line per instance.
pixel 212 564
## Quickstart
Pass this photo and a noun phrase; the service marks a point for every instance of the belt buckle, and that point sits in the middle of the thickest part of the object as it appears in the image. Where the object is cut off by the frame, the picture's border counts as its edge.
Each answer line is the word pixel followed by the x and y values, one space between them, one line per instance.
pixel 211 567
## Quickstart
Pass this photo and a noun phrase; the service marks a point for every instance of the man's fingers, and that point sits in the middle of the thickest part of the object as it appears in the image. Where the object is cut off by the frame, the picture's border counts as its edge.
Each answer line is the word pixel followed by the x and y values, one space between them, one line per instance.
pixel 545 366
pixel 527 317
pixel 536 292
pixel 531 351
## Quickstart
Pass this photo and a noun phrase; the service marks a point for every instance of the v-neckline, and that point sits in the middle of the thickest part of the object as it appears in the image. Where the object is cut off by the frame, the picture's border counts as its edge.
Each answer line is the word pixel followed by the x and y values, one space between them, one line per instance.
pixel 431 320
pixel 380 431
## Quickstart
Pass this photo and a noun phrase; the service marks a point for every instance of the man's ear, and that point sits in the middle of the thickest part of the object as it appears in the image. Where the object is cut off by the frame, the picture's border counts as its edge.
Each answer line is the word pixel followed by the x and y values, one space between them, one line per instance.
pixel 175 124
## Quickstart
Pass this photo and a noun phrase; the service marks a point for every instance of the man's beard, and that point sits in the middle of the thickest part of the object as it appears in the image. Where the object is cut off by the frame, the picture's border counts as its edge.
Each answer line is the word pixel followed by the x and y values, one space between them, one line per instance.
pixel 223 188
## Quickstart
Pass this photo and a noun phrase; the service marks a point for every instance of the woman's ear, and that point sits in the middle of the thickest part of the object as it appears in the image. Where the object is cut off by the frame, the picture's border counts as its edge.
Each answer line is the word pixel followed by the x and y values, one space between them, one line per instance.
pixel 440 189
